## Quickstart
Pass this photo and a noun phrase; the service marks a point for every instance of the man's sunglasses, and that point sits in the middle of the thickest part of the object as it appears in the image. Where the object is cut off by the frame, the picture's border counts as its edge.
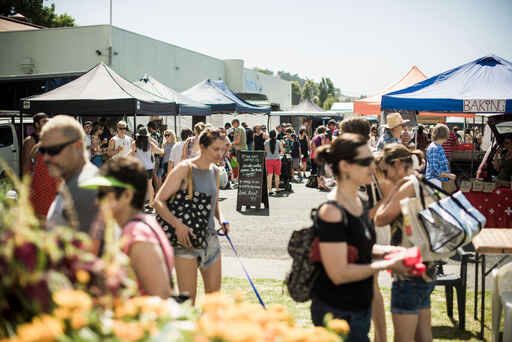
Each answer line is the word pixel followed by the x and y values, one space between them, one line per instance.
pixel 122 128
pixel 55 149
pixel 363 161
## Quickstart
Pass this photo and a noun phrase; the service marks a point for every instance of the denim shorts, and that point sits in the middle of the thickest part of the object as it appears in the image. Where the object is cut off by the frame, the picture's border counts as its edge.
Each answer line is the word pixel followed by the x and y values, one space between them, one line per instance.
pixel 205 256
pixel 359 321
pixel 408 297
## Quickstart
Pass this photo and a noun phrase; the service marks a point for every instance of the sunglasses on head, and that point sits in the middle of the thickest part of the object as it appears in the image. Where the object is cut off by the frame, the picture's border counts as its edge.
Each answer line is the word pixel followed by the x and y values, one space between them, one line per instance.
pixel 363 161
pixel 55 149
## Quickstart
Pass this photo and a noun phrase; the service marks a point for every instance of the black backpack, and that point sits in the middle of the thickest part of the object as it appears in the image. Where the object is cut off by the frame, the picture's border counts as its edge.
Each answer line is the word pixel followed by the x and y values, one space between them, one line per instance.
pixel 304 272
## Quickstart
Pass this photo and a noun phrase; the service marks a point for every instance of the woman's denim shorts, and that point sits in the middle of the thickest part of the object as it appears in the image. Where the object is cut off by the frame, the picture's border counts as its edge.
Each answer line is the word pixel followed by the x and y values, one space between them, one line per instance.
pixel 205 257
pixel 410 296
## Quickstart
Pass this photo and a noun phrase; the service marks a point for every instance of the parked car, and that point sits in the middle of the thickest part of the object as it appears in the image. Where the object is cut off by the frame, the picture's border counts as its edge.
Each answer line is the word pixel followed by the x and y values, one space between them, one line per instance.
pixel 11 139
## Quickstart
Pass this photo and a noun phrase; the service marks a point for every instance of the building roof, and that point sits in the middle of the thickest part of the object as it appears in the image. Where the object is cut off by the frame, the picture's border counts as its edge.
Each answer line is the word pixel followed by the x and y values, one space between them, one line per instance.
pixel 11 24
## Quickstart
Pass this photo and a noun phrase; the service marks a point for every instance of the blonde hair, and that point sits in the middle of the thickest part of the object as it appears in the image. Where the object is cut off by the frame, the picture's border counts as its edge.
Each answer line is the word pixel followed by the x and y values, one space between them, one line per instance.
pixel 67 126
pixel 440 131
pixel 199 127
pixel 392 152
pixel 171 133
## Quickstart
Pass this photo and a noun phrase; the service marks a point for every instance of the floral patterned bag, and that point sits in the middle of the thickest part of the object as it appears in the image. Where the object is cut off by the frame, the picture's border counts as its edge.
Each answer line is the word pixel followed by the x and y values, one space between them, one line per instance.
pixel 193 209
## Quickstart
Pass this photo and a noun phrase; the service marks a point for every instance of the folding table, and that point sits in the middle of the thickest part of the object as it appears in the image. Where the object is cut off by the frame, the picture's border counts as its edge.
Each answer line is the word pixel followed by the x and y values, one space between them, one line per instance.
pixel 489 241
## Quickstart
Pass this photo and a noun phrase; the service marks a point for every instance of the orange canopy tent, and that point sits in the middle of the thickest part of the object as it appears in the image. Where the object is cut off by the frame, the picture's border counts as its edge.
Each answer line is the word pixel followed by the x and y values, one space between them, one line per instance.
pixel 371 105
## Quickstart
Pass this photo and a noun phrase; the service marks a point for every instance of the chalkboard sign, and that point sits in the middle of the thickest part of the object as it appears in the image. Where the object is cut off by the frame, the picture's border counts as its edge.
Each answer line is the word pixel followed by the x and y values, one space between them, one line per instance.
pixel 252 189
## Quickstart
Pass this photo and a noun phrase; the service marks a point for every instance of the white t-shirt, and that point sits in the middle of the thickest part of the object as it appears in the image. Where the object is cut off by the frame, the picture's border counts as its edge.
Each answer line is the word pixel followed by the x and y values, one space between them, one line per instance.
pixel 176 152
pixel 125 142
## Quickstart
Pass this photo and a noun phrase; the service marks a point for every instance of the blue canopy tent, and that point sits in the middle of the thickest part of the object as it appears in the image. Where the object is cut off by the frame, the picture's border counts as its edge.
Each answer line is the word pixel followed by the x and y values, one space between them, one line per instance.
pixel 221 99
pixel 186 106
pixel 481 86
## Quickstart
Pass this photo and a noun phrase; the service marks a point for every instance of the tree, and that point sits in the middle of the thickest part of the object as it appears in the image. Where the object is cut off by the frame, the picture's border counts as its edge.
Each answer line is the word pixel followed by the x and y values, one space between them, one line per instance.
pixel 264 71
pixel 291 78
pixel 36 12
pixel 309 90
pixel 329 101
pixel 296 93
pixel 323 92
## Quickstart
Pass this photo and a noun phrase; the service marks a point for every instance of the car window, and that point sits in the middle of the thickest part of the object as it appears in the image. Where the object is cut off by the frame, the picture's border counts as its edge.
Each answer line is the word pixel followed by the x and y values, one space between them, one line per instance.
pixel 504 127
pixel 6 138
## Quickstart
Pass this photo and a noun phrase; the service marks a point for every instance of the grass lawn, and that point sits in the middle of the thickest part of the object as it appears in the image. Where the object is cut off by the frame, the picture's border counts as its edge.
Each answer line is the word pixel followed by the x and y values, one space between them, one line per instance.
pixel 443 329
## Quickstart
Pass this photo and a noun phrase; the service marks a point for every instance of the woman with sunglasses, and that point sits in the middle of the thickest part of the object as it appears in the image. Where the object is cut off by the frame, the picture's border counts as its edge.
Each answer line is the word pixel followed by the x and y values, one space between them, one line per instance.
pixel 205 179
pixel 347 240
pixel 168 144
pixel 410 295
pixel 122 190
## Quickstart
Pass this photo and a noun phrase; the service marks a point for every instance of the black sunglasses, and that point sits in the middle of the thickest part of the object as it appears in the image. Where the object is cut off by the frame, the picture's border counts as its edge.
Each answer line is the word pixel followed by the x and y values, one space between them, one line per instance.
pixel 363 161
pixel 55 149
pixel 122 128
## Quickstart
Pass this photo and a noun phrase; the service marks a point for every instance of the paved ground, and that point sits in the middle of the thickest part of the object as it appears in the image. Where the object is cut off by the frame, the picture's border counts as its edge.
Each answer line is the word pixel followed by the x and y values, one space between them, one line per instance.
pixel 261 236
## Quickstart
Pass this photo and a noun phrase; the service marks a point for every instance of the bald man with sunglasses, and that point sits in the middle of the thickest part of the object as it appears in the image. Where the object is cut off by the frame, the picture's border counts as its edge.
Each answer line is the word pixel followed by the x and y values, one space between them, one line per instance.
pixel 62 146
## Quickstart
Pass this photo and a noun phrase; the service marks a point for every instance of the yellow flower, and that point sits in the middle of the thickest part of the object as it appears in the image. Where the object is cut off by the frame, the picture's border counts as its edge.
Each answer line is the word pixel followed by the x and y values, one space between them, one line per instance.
pixel 43 328
pixel 74 299
pixel 83 276
pixel 127 331
pixel 62 313
pixel 79 320
pixel 127 308
pixel 339 326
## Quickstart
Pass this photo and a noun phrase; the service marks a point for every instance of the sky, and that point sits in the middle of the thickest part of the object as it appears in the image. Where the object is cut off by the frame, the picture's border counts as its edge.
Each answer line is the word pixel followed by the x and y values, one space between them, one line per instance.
pixel 363 46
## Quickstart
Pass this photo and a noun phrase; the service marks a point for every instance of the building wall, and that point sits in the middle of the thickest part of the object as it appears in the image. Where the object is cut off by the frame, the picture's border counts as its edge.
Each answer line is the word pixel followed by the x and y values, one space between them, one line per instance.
pixel 56 50
pixel 276 89
pixel 174 66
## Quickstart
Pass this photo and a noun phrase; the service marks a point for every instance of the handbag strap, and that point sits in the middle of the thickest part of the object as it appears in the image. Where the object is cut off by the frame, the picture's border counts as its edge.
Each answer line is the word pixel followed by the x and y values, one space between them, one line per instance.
pixel 190 180
pixel 418 190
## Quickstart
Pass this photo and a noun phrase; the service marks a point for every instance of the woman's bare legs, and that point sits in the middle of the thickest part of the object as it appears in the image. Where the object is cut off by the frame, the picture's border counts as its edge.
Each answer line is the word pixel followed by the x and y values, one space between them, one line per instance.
pixel 186 273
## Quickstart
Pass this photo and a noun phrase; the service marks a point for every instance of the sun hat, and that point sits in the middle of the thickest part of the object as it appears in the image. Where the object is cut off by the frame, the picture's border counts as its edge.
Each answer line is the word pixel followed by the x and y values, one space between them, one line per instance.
pixel 393 120
pixel 107 181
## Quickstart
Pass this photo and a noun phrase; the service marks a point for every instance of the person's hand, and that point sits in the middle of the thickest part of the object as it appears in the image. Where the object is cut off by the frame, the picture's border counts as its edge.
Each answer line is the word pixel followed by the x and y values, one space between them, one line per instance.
pixel 183 234
pixel 452 176
pixel 396 265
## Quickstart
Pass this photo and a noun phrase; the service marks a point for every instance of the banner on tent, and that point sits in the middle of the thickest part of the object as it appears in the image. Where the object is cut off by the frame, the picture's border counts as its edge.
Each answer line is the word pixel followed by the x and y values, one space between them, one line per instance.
pixel 484 106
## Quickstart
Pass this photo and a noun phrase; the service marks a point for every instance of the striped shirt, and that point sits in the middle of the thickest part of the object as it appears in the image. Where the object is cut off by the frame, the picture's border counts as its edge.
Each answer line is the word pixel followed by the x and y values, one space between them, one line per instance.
pixel 450 144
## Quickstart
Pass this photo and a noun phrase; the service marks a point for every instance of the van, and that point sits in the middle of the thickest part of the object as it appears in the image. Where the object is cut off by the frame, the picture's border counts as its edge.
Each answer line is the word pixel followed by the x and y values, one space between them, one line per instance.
pixel 11 140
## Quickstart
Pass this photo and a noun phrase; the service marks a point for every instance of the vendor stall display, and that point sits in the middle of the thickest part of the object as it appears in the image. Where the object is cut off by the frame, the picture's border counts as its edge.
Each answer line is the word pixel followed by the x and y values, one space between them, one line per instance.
pixel 496 206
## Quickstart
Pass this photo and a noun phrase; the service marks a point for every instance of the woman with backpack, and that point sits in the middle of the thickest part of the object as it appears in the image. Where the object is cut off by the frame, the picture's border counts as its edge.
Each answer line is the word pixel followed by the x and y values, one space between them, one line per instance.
pixel 410 295
pixel 143 148
pixel 347 240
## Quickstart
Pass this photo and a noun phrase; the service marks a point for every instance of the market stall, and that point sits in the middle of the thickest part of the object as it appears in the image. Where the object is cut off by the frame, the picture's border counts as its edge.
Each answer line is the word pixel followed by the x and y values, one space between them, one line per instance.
pixel 186 106
pixel 482 86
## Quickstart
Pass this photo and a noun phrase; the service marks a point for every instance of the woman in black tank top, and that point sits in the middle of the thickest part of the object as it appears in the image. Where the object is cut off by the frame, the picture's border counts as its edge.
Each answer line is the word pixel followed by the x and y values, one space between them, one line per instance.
pixel 347 240
pixel 259 140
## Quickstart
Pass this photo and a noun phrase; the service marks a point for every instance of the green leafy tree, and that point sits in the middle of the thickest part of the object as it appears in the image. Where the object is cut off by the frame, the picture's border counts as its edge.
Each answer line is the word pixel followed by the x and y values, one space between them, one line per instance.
pixel 36 12
pixel 264 71
pixel 310 90
pixel 323 92
pixel 296 93
pixel 291 78
pixel 329 101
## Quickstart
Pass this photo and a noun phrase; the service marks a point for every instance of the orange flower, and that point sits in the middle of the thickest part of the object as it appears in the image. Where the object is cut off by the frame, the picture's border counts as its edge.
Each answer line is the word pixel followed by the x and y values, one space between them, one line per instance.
pixel 79 320
pixel 42 328
pixel 339 326
pixel 83 276
pixel 73 299
pixel 127 331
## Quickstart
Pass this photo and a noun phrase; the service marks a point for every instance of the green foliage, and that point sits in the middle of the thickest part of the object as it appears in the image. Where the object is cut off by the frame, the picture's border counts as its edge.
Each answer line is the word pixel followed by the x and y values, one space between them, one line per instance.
pixel 296 93
pixel 264 71
pixel 291 78
pixel 36 12
pixel 329 101
pixel 310 90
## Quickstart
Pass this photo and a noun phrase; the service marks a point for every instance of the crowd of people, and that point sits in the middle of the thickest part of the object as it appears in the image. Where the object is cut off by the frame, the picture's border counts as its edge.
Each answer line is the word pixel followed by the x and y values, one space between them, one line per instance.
pixel 79 169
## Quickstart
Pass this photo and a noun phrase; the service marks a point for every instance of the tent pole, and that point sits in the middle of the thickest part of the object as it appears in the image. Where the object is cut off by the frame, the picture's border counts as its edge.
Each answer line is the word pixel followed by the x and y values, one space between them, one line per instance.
pixel 134 124
pixel 472 148
pixel 175 126
pixel 20 154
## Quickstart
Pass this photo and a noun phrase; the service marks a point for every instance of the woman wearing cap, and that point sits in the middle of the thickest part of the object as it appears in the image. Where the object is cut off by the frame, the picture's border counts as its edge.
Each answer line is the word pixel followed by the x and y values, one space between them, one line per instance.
pixel 393 130
pixel 122 191
pixel 410 295
pixel 142 148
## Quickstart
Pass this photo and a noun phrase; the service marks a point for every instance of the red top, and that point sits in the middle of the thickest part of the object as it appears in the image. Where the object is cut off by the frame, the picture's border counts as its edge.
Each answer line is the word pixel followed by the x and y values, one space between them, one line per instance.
pixel 449 144
pixel 136 231
pixel 43 187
